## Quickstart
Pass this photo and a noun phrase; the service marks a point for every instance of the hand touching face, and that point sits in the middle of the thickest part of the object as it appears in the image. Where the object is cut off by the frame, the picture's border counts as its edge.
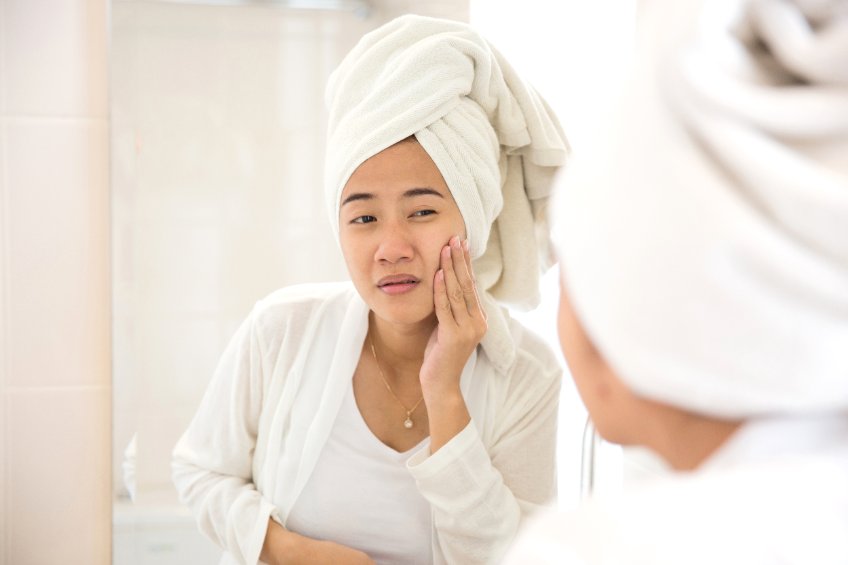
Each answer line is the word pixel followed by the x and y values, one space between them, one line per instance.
pixel 461 321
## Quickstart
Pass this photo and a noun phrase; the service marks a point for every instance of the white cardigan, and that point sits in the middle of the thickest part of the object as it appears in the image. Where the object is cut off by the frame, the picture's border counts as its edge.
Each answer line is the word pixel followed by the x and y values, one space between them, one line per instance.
pixel 274 397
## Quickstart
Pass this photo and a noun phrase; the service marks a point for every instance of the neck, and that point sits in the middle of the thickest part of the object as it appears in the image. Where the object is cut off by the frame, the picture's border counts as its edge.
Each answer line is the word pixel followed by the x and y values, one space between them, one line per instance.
pixel 400 346
pixel 685 440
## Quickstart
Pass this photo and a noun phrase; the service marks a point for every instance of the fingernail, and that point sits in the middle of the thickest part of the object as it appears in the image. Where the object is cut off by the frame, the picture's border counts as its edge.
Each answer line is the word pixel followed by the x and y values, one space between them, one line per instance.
pixel 466 245
pixel 455 241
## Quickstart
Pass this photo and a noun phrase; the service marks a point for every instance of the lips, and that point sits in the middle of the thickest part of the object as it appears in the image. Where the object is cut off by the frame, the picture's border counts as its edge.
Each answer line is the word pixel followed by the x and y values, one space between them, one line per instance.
pixel 397 280
pixel 396 285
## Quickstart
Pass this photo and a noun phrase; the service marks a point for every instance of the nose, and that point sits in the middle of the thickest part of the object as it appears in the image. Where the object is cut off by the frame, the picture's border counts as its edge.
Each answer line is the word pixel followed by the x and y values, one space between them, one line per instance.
pixel 395 245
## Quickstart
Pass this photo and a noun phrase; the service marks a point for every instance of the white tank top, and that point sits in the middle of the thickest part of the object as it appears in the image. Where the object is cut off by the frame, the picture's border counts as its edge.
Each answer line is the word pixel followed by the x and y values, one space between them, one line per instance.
pixel 362 496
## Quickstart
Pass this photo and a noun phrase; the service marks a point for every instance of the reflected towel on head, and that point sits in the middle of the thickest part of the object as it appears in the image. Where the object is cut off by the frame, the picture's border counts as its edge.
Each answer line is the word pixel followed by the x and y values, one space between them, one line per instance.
pixel 494 139
pixel 704 235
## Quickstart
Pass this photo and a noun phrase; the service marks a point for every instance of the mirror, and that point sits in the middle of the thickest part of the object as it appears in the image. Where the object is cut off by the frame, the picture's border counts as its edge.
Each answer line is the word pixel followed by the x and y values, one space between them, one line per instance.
pixel 217 146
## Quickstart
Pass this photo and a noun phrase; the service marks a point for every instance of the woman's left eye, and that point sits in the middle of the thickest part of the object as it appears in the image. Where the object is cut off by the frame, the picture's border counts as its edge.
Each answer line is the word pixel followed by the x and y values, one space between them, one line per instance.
pixel 420 213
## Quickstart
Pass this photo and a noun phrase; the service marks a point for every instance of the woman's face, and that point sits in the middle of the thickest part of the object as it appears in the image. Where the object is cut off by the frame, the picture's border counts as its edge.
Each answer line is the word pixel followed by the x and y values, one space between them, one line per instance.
pixel 396 214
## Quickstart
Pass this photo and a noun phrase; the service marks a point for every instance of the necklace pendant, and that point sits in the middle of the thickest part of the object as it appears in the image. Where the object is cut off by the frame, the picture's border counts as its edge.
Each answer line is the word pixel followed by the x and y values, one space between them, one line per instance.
pixel 407 423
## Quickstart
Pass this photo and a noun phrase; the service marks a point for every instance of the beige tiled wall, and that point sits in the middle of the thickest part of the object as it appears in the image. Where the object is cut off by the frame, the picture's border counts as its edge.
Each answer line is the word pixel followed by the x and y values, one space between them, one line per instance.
pixel 54 282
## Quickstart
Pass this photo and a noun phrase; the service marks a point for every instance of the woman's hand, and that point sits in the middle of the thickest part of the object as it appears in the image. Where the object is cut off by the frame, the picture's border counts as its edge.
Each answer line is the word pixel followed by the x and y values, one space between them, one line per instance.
pixel 461 325
pixel 283 547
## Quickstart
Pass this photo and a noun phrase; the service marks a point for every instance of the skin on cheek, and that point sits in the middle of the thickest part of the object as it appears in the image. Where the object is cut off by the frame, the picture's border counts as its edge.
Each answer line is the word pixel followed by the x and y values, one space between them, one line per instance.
pixel 569 338
pixel 582 358
pixel 614 409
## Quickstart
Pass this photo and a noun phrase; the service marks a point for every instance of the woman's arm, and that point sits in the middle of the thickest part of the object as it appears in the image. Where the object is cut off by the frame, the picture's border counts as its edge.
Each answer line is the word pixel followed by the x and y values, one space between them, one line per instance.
pixel 283 547
pixel 213 460
pixel 213 467
pixel 478 496
pixel 461 325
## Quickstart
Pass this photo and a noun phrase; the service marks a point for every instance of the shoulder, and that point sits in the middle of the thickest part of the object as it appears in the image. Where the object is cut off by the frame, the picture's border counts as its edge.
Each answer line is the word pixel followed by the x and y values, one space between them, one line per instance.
pixel 294 306
pixel 532 378
pixel 747 515
pixel 627 529
pixel 531 350
pixel 536 362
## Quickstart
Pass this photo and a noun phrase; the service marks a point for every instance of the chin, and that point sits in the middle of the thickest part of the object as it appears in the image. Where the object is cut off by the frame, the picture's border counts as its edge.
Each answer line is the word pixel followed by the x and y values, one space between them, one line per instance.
pixel 410 319
pixel 408 309
pixel 403 314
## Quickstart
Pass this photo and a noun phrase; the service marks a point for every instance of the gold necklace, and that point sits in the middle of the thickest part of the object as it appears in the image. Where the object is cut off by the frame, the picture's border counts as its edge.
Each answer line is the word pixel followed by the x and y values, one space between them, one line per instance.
pixel 408 422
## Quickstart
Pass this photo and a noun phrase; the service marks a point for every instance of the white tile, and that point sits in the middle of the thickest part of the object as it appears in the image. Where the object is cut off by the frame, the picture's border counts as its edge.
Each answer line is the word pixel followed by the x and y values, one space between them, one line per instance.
pixel 2 100
pixel 59 474
pixel 4 350
pixel 4 260
pixel 4 486
pixel 55 55
pixel 58 262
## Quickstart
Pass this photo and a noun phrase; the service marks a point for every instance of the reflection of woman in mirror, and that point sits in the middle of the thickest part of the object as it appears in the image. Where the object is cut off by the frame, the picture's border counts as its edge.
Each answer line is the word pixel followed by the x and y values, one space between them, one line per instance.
pixel 404 418
pixel 708 318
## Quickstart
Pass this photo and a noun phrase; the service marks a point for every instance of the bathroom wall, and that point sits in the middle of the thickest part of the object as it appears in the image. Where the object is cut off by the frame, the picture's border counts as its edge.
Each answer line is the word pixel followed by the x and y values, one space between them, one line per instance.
pixel 55 276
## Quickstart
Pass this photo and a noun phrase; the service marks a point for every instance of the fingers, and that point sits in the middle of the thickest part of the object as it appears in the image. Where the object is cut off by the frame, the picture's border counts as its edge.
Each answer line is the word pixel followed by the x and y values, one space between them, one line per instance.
pixel 459 282
pixel 455 291
pixel 441 300
pixel 475 306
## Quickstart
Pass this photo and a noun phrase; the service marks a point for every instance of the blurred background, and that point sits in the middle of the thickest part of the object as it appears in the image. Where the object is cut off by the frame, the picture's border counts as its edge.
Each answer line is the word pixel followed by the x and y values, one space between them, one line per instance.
pixel 160 171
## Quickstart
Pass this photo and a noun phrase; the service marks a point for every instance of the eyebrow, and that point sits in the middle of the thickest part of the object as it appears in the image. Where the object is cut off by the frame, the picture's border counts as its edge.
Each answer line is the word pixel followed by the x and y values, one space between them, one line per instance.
pixel 423 191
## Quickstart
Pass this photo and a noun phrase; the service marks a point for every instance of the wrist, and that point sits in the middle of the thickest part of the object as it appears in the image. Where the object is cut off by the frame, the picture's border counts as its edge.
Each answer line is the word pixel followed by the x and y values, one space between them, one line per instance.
pixel 448 415
pixel 441 394
pixel 281 546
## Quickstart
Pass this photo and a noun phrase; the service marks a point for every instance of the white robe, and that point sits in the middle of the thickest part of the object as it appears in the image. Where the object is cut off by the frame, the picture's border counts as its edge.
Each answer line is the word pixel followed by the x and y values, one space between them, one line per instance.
pixel 775 494
pixel 272 402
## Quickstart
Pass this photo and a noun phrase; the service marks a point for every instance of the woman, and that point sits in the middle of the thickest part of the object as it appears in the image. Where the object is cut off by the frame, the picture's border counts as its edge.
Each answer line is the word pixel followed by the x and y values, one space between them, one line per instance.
pixel 708 318
pixel 404 418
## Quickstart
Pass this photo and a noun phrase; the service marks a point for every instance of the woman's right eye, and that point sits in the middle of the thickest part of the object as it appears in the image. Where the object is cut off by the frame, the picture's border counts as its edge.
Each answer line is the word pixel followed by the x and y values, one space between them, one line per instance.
pixel 363 220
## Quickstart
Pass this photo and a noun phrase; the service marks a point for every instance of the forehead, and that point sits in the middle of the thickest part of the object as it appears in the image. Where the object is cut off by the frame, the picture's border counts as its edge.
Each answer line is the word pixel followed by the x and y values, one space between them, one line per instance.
pixel 395 170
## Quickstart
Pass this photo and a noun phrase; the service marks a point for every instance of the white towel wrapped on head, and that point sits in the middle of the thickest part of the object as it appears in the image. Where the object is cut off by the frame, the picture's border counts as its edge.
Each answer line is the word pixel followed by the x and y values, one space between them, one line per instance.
pixel 704 235
pixel 495 141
